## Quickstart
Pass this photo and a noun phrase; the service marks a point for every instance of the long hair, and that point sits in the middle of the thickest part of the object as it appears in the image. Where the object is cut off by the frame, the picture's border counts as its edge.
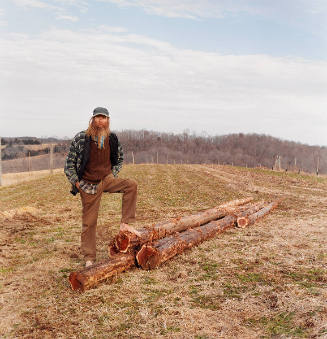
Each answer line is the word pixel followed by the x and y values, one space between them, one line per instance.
pixel 96 133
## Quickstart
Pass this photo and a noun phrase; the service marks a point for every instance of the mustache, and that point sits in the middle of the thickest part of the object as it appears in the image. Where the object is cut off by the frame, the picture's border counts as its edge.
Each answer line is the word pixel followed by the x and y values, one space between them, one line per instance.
pixel 101 128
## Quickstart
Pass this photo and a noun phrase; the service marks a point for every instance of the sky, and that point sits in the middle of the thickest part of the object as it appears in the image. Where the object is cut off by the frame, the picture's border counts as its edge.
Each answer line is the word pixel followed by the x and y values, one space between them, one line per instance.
pixel 208 67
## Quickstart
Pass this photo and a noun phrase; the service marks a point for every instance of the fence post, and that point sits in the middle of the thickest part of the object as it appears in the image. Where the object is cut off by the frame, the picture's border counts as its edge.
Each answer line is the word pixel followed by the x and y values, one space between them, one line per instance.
pixel 133 157
pixel 51 158
pixel 0 165
pixel 29 161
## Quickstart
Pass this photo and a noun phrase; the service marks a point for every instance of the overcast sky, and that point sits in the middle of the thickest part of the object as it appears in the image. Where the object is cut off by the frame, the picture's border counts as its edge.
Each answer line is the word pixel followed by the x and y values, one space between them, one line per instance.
pixel 206 66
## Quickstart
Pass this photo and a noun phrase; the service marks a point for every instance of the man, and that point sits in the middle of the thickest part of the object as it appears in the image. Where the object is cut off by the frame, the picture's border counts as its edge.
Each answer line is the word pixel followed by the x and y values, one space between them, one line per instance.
pixel 92 164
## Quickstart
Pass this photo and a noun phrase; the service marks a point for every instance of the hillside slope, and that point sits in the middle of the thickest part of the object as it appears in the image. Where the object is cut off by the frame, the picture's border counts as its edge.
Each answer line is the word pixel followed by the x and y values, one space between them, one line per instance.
pixel 269 279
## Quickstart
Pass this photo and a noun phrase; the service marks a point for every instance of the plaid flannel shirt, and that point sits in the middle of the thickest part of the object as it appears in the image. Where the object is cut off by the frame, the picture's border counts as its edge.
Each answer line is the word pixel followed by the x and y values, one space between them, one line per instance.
pixel 88 187
pixel 74 161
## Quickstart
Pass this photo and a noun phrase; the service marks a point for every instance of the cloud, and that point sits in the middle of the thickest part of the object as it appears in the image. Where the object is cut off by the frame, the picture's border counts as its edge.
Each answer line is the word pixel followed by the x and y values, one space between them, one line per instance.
pixel 2 21
pixel 60 75
pixel 185 8
pixel 112 29
pixel 67 17
pixel 194 9
pixel 59 7
pixel 34 4
pixel 82 5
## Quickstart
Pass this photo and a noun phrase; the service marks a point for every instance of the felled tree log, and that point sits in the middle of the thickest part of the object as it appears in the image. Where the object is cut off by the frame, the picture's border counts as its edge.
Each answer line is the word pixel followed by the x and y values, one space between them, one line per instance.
pixel 242 214
pixel 152 255
pixel 125 240
pixel 92 275
pixel 246 220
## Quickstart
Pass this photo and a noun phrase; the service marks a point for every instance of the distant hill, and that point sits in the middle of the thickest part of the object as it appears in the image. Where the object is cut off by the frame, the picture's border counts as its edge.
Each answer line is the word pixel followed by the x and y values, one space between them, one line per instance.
pixel 144 146
pixel 250 150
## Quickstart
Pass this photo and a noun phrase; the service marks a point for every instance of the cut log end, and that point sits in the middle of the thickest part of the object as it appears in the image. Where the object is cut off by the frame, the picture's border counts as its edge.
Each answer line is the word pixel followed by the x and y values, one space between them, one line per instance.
pixel 74 282
pixel 242 222
pixel 148 257
pixel 122 242
pixel 112 251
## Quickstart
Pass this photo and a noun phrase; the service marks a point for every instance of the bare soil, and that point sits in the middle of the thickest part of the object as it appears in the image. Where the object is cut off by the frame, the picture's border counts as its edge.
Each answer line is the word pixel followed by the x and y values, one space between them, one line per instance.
pixel 265 281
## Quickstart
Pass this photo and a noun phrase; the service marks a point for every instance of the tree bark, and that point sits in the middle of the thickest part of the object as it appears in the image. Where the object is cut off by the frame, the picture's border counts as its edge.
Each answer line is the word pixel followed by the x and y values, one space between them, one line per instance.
pixel 125 240
pixel 92 275
pixel 244 221
pixel 151 256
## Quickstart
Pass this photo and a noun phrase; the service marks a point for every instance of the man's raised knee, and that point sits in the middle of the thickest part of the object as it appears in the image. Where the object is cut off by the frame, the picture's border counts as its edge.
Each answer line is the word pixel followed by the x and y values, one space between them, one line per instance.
pixel 132 184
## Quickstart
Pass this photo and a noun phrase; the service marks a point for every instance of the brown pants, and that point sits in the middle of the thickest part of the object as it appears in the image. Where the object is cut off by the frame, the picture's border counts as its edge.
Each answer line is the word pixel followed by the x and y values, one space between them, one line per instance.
pixel 91 203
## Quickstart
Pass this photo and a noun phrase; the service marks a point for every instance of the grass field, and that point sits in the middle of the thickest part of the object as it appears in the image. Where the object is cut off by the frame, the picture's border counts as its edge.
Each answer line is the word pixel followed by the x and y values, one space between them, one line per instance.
pixel 265 281
pixel 16 178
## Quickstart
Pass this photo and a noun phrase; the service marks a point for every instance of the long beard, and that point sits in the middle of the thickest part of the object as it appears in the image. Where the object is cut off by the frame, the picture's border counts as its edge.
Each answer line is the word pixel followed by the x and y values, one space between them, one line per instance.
pixel 98 134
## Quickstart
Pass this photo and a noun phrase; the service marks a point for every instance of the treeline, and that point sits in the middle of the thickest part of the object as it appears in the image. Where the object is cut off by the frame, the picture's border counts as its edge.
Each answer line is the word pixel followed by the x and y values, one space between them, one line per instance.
pixel 240 149
pixel 20 141
pixel 19 147
pixel 250 150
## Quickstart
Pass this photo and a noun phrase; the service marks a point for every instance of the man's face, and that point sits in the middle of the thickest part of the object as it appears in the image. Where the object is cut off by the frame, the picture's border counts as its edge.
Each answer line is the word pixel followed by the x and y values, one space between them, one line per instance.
pixel 100 121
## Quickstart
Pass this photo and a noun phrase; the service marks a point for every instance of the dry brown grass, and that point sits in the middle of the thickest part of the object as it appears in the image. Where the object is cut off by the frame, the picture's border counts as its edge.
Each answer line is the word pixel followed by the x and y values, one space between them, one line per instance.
pixel 16 178
pixel 265 281
pixel 36 163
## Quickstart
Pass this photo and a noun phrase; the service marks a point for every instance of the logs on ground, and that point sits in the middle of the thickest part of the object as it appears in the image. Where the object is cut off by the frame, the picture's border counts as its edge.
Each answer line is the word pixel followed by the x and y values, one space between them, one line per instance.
pixel 151 256
pixel 125 241
pixel 164 240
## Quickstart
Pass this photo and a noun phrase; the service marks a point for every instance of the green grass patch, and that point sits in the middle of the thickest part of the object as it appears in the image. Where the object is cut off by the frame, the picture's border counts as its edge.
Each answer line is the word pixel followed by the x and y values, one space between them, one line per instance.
pixel 170 329
pixel 232 291
pixel 310 279
pixel 210 268
pixel 153 295
pixel 211 302
pixel 282 324
pixel 253 277
pixel 6 270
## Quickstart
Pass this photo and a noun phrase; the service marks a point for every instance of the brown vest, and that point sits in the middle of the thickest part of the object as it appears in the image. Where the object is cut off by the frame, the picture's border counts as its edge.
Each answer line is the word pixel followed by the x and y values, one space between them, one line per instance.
pixel 99 165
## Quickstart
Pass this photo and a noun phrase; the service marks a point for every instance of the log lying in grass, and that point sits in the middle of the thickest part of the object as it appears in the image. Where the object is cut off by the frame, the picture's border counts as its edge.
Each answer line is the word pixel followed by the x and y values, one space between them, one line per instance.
pixel 152 255
pixel 242 214
pixel 125 241
pixel 92 275
pixel 246 220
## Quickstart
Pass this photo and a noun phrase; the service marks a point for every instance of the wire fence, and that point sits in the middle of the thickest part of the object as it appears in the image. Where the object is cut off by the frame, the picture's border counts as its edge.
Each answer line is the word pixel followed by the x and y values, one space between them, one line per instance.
pixel 28 167
pixel 55 159
pixel 35 163
pixel 30 163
